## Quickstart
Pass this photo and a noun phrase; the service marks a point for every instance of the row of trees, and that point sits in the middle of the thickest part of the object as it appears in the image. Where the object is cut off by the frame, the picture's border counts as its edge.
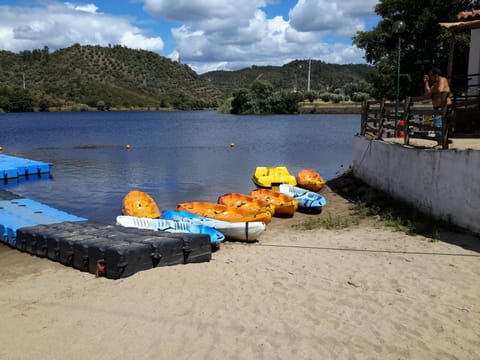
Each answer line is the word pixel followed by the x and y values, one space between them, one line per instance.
pixel 19 100
pixel 423 44
pixel 16 100
pixel 30 56
pixel 337 96
pixel 261 99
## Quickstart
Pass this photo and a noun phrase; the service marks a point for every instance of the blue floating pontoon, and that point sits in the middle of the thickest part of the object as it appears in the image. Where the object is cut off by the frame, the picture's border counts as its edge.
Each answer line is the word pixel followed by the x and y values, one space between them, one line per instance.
pixel 18 213
pixel 12 167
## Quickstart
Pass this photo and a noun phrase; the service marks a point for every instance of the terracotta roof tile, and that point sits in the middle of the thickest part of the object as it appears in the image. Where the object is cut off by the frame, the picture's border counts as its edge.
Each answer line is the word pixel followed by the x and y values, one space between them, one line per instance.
pixel 469 15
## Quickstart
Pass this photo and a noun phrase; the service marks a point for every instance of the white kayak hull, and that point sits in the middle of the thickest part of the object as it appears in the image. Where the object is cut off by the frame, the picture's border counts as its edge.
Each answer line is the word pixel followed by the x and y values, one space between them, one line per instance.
pixel 172 226
pixel 240 231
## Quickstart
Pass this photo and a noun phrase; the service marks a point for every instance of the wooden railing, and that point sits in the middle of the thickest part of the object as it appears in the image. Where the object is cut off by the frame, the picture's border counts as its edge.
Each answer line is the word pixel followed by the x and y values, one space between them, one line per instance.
pixel 425 122
pixel 415 118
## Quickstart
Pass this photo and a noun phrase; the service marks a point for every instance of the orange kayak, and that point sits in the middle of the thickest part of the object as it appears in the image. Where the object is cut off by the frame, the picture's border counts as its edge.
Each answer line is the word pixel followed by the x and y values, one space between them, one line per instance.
pixel 284 205
pixel 224 212
pixel 139 203
pixel 244 201
pixel 310 179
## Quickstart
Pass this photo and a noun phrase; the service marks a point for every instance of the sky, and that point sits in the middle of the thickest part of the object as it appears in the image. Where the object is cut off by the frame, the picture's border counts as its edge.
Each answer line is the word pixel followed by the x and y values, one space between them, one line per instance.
pixel 207 35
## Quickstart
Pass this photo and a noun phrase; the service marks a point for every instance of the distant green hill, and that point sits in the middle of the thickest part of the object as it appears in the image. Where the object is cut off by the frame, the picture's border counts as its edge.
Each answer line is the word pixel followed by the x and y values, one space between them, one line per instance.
pixel 119 77
pixel 294 77
pixel 115 75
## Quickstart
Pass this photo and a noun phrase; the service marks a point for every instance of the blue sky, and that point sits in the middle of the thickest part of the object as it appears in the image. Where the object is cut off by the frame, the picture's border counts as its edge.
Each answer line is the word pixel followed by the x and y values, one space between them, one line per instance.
pixel 205 34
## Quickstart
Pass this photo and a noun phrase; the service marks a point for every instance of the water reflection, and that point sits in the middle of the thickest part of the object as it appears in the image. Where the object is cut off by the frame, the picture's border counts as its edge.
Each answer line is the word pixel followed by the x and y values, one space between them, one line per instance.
pixel 174 156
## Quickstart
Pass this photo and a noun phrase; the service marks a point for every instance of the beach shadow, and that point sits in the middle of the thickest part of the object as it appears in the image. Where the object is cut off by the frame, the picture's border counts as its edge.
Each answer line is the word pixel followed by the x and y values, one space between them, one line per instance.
pixel 401 215
pixel 310 211
pixel 463 239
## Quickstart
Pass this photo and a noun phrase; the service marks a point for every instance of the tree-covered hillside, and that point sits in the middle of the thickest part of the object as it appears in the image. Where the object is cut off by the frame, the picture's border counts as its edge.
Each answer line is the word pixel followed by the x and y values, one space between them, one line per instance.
pixel 294 77
pixel 115 76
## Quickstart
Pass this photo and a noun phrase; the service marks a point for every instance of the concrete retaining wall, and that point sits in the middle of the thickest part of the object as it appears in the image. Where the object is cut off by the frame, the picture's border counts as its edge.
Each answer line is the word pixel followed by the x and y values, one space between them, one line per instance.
pixel 444 183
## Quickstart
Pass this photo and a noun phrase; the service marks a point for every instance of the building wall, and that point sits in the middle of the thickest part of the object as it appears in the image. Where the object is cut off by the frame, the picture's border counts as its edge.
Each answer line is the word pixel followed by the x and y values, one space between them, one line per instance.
pixel 444 183
pixel 474 63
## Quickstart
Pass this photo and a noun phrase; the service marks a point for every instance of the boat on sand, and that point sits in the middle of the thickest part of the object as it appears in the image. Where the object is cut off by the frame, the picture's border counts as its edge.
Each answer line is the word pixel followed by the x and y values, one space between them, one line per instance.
pixel 240 231
pixel 224 212
pixel 307 200
pixel 285 206
pixel 268 177
pixel 310 179
pixel 245 201
pixel 139 203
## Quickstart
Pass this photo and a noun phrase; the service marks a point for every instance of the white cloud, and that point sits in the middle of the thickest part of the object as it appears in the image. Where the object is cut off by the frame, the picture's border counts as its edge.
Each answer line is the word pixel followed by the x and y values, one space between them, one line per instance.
pixel 274 41
pixel 91 8
pixel 208 34
pixel 138 41
pixel 201 10
pixel 60 25
pixel 281 45
pixel 342 18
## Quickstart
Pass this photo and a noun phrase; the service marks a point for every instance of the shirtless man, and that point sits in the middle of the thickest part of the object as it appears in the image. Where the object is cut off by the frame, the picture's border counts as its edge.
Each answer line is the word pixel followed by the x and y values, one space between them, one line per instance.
pixel 439 86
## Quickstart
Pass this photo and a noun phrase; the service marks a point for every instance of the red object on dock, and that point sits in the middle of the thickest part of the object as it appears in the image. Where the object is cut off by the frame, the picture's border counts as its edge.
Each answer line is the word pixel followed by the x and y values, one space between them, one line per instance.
pixel 401 129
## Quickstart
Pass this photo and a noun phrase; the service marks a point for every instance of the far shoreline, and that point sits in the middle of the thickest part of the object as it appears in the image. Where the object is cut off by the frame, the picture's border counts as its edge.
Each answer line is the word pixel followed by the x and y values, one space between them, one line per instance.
pixel 305 109
pixel 330 109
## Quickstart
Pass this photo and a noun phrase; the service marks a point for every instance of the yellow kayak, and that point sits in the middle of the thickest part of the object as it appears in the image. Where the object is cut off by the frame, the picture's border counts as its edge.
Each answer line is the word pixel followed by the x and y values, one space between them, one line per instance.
pixel 273 176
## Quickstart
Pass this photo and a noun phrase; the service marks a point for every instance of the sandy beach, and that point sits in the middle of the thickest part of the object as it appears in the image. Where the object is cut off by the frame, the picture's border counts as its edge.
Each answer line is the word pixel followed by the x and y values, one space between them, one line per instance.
pixel 364 292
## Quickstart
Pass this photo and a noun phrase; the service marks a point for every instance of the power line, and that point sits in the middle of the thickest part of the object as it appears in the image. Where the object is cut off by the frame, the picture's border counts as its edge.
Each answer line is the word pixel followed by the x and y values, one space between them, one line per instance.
pixel 365 250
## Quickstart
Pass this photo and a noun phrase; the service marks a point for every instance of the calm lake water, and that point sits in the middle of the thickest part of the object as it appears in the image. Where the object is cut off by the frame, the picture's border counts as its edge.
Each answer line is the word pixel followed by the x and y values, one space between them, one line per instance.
pixel 174 156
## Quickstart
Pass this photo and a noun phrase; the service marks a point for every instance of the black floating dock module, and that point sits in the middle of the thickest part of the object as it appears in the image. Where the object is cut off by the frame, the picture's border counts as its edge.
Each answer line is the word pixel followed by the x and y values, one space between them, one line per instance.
pixel 110 250
pixel 13 167
pixel 106 250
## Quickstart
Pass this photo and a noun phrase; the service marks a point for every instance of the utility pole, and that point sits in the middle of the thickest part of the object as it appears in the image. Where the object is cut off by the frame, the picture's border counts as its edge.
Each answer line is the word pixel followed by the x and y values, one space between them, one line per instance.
pixel 309 70
pixel 398 28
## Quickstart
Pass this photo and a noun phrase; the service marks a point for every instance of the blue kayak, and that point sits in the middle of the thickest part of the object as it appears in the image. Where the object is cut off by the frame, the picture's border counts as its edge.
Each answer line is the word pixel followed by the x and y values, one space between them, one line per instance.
pixel 306 199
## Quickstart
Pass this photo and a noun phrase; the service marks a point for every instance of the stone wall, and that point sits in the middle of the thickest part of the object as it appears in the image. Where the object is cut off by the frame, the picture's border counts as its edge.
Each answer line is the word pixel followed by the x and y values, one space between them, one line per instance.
pixel 444 183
